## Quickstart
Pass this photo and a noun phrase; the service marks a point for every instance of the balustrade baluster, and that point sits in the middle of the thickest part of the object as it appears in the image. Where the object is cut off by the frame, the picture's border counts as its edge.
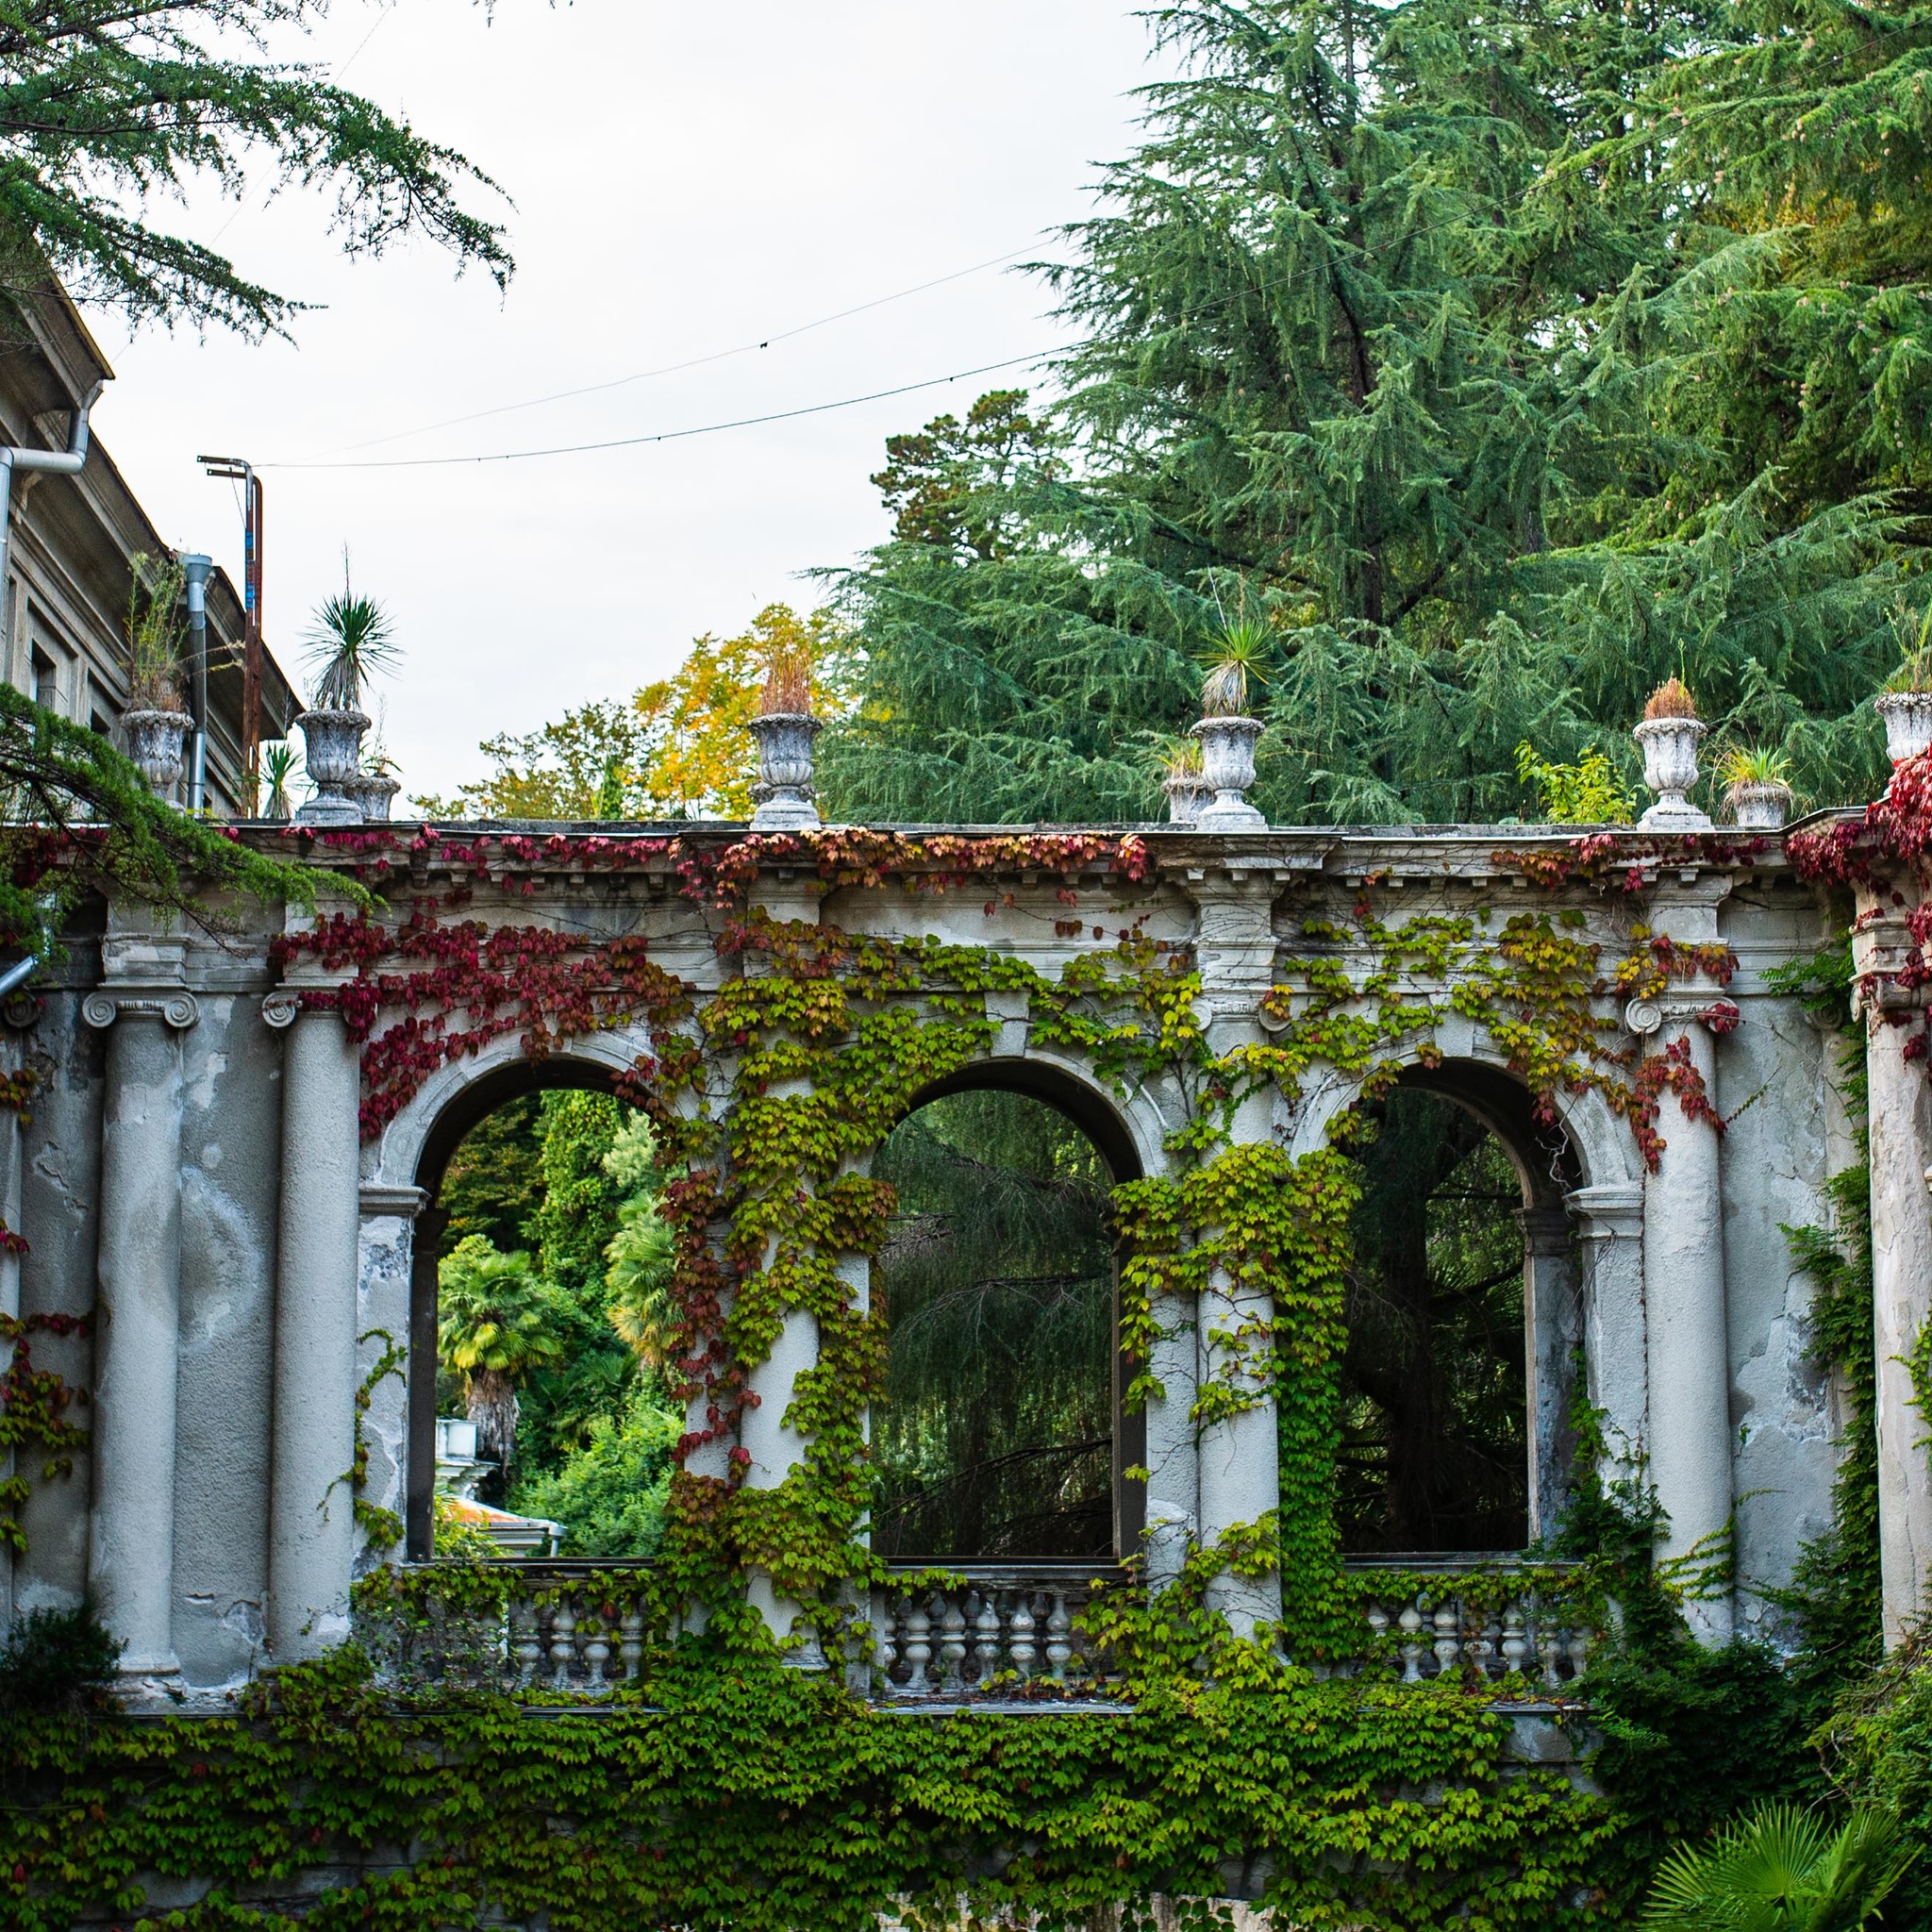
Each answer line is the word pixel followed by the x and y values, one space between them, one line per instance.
pixel 529 1642
pixel 1515 1645
pixel 918 1647
pixel 1486 1637
pixel 1377 1620
pixel 630 1641
pixel 1020 1644
pixel 597 1649
pixel 563 1626
pixel 1549 1646
pixel 1059 1649
pixel 986 1635
pixel 951 1646
pixel 887 1605
pixel 1411 1622
pixel 1579 1653
pixel 1448 1645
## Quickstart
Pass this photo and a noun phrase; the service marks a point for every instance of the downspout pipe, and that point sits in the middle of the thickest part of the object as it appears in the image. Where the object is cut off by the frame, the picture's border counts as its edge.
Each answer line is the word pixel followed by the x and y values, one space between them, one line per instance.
pixel 195 572
pixel 67 463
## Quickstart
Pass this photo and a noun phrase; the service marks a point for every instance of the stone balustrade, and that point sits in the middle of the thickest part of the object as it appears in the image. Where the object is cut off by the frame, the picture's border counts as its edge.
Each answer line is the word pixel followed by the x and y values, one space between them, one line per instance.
pixel 1444 1631
pixel 997 1631
pixel 557 1628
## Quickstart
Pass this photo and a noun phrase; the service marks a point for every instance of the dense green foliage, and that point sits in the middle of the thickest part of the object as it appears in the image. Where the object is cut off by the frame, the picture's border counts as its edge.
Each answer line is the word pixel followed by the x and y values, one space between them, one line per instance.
pixel 106 106
pixel 737 1794
pixel 555 1194
pixel 1502 361
pixel 1433 1451
pixel 994 1437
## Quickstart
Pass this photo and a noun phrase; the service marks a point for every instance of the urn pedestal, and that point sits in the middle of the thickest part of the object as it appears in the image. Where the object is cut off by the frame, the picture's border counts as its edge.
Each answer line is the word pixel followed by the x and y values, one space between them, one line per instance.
pixel 155 740
pixel 1759 807
pixel 783 793
pixel 333 759
pixel 373 794
pixel 1227 769
pixel 1669 769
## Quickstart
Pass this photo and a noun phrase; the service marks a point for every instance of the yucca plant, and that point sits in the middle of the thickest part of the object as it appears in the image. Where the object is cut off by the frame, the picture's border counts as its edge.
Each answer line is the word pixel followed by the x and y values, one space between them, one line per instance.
pixel 278 763
pixel 1782 1869
pixel 1240 654
pixel 1755 765
pixel 349 639
pixel 1913 630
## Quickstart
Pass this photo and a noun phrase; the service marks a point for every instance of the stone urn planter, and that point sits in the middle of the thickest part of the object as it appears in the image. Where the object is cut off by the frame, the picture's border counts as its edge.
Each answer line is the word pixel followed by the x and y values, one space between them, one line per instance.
pixel 1759 808
pixel 1186 793
pixel 783 793
pixel 372 794
pixel 1669 769
pixel 1908 716
pixel 1227 769
pixel 333 756
pixel 154 740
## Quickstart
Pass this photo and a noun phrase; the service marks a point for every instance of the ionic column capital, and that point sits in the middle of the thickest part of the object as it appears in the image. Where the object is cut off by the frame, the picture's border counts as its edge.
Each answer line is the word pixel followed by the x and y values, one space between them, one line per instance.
pixel 174 1007
pixel 1644 1017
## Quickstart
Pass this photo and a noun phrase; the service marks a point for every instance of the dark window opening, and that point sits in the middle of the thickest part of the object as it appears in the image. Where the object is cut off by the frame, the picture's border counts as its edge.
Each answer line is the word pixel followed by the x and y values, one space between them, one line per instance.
pixel 1435 1452
pixel 555 1416
pixel 995 1436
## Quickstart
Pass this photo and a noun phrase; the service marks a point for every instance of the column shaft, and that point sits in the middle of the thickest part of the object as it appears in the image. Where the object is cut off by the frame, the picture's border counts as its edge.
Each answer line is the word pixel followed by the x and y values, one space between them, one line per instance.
pixel 1901 1134
pixel 311 1551
pixel 1688 1348
pixel 131 1533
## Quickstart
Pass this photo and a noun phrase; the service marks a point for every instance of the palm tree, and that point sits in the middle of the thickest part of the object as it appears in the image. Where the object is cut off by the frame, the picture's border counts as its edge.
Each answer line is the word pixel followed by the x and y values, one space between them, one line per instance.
pixel 349 638
pixel 497 1322
pixel 644 1251
pixel 1782 1869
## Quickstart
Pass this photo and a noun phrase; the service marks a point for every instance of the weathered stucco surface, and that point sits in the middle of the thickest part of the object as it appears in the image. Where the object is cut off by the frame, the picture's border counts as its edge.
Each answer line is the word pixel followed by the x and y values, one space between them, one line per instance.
pixel 1767 1407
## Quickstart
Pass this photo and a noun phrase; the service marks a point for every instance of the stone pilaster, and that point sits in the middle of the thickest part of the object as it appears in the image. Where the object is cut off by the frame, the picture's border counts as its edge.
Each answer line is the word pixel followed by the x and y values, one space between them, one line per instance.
pixel 137 1313
pixel 1240 1455
pixel 1610 1237
pixel 385 1269
pixel 1899 1101
pixel 1551 1329
pixel 1688 1348
pixel 419 1501
pixel 311 1533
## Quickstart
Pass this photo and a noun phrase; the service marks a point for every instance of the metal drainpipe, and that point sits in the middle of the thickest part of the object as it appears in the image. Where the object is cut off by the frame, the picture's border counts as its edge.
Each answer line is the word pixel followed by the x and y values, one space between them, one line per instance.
pixel 67 463
pixel 195 571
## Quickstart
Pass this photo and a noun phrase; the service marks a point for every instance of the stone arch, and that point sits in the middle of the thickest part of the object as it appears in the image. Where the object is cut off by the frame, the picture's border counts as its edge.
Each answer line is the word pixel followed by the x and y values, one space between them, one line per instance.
pixel 1129 1134
pixel 1579 1177
pixel 413 1156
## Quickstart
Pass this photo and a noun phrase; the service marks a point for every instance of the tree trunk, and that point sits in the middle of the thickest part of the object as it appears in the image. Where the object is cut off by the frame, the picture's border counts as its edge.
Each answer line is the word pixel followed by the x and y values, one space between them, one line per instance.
pixel 493 1407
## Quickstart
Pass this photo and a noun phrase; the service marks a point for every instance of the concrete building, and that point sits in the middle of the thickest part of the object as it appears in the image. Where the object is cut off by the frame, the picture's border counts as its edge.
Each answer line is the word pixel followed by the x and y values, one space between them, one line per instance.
pixel 64 603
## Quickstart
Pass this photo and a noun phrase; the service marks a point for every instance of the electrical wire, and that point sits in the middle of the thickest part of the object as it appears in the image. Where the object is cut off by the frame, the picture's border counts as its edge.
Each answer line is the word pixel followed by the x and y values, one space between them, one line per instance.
pixel 573 449
pixel 695 362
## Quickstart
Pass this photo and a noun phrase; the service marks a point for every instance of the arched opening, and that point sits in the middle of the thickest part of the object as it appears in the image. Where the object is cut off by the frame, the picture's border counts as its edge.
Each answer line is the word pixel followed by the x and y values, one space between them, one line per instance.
pixel 998 1436
pixel 1460 1316
pixel 540 1422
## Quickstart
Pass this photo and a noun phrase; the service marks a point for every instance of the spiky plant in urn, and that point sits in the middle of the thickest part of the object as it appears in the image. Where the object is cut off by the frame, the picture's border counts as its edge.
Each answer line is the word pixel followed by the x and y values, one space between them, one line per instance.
pixel 1182 779
pixel 1906 702
pixel 1758 791
pixel 157 720
pixel 1669 737
pixel 349 640
pixel 278 763
pixel 785 728
pixel 1240 656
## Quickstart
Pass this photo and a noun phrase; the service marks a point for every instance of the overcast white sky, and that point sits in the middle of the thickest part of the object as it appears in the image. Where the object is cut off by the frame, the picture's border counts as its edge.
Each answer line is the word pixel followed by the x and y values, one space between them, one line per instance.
pixel 685 179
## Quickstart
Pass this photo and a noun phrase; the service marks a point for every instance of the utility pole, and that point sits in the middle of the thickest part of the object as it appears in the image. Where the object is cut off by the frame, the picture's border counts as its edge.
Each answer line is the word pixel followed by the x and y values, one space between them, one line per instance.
pixel 238 470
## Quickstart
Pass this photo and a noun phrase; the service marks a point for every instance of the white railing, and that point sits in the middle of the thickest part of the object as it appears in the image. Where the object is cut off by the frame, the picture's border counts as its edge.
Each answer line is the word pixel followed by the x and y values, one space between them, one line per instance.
pixel 570 1630
pixel 996 1630
pixel 1444 1630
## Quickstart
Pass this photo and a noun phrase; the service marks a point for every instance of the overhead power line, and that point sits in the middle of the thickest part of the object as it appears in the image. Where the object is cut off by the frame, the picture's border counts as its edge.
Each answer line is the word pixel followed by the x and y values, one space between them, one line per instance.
pixel 575 449
pixel 564 395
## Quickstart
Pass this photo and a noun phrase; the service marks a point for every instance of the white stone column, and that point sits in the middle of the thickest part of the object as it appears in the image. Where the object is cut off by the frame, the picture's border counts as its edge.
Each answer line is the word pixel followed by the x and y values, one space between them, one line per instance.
pixel 137 1318
pixel 1688 1347
pixel 312 1535
pixel 1239 1452
pixel 12 1190
pixel 385 1269
pixel 1900 1124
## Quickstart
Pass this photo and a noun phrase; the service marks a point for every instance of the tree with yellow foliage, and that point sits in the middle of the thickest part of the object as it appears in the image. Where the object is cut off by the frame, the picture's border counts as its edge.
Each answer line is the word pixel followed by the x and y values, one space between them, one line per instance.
pixel 680 748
